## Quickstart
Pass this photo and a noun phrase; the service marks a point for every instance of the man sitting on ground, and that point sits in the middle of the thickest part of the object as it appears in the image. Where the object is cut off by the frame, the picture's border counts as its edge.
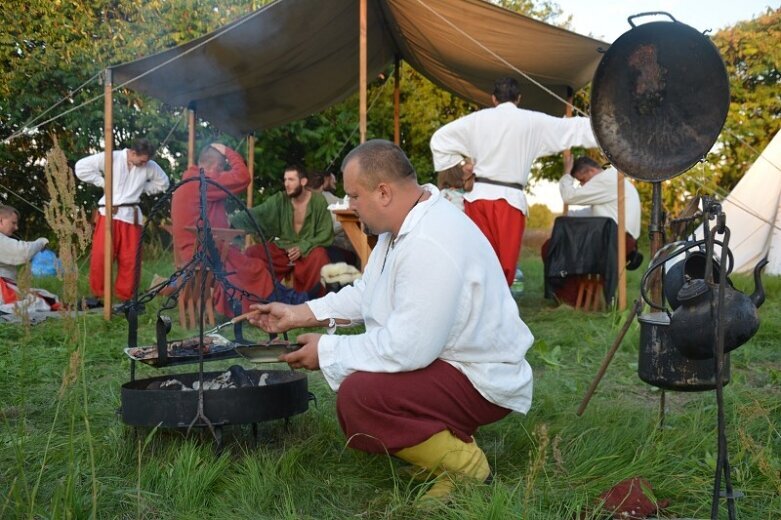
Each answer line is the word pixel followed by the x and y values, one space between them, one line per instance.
pixel 298 225
pixel 14 253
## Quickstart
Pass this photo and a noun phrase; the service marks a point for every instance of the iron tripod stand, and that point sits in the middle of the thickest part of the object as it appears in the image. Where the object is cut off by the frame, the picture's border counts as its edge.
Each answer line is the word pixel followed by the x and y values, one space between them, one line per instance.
pixel 660 334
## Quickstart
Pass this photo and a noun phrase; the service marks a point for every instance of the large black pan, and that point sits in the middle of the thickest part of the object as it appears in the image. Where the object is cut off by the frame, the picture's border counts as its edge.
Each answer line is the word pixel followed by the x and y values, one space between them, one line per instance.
pixel 659 99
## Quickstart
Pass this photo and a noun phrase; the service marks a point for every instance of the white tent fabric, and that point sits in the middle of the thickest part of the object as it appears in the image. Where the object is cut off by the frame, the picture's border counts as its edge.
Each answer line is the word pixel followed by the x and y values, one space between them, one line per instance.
pixel 753 210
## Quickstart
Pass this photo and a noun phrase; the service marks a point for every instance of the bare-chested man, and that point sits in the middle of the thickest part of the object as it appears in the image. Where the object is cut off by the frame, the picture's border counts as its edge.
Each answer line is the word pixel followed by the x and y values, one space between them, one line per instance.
pixel 297 225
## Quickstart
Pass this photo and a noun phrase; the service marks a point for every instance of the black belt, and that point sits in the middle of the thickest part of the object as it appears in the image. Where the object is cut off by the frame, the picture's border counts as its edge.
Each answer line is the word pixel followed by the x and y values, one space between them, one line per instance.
pixel 516 185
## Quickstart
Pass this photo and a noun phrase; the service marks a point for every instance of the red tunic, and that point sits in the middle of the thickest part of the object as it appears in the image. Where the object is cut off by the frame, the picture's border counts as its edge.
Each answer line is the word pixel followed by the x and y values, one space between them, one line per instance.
pixel 251 274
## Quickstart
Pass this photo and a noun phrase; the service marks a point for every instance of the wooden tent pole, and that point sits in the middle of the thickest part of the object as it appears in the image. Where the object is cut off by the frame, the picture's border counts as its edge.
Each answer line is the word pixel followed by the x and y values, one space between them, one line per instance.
pixel 362 70
pixel 191 134
pixel 621 242
pixel 251 186
pixel 567 153
pixel 108 175
pixel 396 101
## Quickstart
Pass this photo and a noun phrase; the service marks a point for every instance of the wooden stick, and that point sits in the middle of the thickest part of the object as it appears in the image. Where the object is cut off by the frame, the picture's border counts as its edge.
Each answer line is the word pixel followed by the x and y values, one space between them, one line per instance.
pixel 108 194
pixel 609 356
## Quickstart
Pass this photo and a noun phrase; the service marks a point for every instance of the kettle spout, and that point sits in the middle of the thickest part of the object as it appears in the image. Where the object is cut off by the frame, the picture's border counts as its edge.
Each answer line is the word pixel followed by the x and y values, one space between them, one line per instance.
pixel 758 297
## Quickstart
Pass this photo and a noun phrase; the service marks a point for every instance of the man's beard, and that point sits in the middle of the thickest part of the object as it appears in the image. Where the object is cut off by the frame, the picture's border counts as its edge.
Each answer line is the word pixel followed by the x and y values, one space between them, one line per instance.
pixel 296 192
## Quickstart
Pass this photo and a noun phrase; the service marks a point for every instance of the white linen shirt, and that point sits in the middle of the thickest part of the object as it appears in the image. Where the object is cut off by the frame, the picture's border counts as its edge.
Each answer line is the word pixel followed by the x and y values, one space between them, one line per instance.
pixel 503 142
pixel 437 291
pixel 600 193
pixel 14 253
pixel 128 183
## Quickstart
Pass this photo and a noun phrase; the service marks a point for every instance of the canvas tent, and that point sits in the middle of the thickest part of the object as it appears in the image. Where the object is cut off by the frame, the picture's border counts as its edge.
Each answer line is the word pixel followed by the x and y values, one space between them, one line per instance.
pixel 294 58
pixel 753 210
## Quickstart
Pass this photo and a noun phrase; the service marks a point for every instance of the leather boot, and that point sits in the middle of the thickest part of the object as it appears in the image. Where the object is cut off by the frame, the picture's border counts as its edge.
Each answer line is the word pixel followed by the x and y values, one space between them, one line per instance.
pixel 449 457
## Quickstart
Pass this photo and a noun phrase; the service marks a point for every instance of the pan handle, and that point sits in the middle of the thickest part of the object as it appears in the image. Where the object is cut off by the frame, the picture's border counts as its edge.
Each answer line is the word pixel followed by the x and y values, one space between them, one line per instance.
pixel 651 13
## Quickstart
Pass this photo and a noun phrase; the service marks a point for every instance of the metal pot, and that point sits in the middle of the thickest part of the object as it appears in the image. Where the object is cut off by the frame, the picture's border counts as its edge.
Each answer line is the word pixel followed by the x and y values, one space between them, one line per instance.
pixel 659 99
pixel 662 365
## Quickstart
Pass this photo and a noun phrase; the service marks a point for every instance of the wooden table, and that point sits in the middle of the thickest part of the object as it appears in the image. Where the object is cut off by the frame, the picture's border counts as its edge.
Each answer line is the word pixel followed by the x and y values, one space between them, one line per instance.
pixel 362 243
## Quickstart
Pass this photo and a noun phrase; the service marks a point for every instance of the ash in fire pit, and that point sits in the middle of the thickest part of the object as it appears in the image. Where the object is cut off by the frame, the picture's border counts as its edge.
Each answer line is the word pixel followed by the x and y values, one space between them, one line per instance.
pixel 234 377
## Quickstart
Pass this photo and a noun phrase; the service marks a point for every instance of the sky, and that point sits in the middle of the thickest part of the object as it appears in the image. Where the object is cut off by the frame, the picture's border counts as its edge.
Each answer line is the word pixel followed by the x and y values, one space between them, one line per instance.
pixel 607 20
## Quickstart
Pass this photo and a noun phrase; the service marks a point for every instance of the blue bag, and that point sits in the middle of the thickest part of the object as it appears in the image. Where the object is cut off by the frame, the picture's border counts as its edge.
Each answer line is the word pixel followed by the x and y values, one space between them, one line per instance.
pixel 45 263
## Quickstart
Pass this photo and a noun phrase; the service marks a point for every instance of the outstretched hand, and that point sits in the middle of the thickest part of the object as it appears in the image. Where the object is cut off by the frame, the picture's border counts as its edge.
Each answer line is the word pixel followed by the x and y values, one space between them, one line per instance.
pixel 273 317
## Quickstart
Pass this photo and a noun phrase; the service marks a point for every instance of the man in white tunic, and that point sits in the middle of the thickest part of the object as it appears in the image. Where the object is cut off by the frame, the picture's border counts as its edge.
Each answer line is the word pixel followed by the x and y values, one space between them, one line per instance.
pixel 443 351
pixel 503 141
pixel 14 253
pixel 133 173
pixel 598 190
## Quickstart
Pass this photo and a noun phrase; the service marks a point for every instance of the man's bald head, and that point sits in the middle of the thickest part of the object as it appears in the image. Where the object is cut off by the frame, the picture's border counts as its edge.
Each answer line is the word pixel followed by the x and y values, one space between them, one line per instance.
pixel 381 161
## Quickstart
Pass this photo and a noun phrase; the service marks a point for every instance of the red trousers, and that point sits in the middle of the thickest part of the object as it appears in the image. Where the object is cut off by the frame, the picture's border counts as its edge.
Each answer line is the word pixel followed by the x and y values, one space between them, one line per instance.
pixel 306 270
pixel 125 238
pixel 503 225
pixel 250 274
pixel 386 412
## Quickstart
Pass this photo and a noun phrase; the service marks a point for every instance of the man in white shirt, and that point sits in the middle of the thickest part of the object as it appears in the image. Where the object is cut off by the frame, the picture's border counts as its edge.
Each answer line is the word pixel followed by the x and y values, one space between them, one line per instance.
pixel 14 253
pixel 443 351
pixel 503 141
pixel 598 189
pixel 134 173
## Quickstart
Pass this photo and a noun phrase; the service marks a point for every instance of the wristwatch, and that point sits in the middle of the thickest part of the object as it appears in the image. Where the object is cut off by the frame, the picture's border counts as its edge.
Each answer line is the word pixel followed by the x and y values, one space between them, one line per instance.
pixel 331 325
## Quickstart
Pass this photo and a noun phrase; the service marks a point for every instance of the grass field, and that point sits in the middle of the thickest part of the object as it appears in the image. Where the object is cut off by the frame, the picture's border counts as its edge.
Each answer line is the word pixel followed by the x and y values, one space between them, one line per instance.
pixel 64 453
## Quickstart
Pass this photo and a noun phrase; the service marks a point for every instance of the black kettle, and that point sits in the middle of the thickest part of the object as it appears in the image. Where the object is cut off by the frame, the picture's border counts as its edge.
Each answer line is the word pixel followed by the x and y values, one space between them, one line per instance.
pixel 692 324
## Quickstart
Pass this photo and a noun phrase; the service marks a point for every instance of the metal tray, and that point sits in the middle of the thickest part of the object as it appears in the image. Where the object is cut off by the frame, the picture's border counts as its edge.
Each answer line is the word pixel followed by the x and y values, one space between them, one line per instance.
pixel 184 351
pixel 268 352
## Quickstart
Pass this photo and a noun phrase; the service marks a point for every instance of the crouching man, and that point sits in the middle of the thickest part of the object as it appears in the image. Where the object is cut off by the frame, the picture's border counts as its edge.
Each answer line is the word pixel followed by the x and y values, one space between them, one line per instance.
pixel 443 352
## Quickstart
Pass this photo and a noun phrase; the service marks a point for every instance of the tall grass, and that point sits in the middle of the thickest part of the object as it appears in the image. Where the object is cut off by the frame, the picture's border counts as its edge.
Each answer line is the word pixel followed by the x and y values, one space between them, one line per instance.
pixel 65 454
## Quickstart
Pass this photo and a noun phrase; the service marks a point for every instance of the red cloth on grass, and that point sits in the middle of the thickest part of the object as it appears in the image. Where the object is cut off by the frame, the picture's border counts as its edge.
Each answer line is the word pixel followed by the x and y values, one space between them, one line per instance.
pixel 381 412
pixel 503 225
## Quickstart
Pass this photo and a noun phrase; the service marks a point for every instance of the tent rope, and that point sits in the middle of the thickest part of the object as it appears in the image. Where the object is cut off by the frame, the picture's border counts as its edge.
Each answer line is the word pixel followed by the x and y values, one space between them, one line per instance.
pixel 66 97
pixel 131 80
pixel 502 60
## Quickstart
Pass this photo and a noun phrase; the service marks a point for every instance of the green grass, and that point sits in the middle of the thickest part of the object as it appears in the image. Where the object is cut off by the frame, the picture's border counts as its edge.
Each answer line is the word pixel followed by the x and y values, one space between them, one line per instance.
pixel 67 455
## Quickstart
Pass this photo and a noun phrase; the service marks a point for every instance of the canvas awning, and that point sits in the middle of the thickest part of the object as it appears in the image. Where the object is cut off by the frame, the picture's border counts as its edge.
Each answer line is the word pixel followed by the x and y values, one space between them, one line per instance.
pixel 294 58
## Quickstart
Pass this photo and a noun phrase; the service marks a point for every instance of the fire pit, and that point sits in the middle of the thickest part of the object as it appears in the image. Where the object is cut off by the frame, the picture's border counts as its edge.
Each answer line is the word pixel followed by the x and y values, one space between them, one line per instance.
pixel 172 401
pixel 205 399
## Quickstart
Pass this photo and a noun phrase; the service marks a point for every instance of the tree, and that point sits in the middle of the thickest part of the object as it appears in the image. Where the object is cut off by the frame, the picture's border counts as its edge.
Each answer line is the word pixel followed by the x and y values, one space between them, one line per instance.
pixel 752 54
pixel 50 48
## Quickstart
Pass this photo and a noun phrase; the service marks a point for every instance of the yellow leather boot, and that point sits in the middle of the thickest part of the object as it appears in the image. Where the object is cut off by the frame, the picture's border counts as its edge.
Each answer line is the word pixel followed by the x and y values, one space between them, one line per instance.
pixel 449 457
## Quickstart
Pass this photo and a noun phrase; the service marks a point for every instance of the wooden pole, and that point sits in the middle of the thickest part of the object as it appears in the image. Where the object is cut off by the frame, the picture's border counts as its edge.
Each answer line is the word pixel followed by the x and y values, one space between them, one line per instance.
pixel 567 153
pixel 108 191
pixel 251 187
pixel 621 242
pixel 362 73
pixel 191 135
pixel 396 102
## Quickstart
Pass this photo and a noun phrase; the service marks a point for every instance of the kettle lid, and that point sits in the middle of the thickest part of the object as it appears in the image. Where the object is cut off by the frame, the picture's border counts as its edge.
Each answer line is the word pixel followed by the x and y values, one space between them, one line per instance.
pixel 692 290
